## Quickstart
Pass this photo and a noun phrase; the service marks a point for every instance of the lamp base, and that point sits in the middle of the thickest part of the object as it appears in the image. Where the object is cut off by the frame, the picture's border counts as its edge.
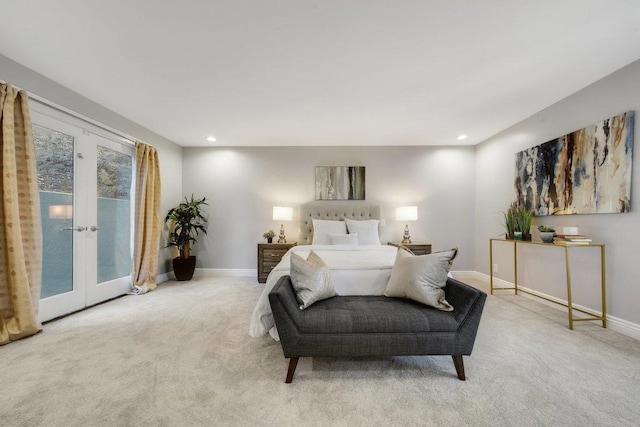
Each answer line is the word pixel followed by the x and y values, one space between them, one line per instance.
pixel 406 238
pixel 282 238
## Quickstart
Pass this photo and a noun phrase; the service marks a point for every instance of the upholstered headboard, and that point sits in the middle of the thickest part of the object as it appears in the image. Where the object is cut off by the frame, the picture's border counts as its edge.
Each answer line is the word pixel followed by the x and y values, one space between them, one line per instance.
pixel 334 211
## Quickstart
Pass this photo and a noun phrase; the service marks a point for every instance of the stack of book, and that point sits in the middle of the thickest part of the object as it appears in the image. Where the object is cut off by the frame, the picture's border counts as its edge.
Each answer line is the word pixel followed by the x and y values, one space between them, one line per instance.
pixel 571 239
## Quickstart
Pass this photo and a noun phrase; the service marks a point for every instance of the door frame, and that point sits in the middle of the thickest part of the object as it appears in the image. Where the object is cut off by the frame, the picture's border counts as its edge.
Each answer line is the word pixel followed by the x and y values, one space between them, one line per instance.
pixel 86 291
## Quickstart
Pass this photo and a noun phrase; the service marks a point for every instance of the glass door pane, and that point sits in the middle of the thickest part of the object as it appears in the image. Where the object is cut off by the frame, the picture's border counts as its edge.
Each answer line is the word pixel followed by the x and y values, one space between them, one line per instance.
pixel 114 176
pixel 54 154
pixel 109 206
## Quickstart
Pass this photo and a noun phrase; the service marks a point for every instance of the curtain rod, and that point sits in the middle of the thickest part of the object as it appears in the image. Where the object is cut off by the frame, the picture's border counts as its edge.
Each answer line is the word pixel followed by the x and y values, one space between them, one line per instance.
pixel 128 139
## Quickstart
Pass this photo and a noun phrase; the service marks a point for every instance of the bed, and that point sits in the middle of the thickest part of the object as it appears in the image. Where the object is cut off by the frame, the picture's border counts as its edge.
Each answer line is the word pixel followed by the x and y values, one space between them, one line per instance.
pixel 356 269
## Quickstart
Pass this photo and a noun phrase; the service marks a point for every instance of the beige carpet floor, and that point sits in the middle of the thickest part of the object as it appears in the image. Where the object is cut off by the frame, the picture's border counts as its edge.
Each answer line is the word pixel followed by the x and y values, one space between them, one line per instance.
pixel 181 356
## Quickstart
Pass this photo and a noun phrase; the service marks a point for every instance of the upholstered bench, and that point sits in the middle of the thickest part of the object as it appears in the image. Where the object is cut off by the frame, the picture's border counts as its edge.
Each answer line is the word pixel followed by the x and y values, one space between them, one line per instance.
pixel 345 326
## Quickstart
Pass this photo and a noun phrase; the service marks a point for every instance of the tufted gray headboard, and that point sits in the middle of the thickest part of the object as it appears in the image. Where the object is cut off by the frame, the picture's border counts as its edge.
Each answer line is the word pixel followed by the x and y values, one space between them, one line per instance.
pixel 332 211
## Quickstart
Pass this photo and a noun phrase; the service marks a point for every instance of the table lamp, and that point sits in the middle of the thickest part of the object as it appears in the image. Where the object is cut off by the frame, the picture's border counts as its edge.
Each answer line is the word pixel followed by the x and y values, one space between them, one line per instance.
pixel 282 213
pixel 407 213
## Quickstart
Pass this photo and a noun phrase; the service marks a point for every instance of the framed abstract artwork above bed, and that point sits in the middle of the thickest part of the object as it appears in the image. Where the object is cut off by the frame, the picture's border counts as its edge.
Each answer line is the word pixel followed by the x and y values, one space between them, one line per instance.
pixel 585 172
pixel 340 183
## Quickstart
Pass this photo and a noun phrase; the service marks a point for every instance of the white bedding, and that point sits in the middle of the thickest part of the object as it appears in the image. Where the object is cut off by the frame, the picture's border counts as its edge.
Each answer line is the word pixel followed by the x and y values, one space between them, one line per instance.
pixel 355 270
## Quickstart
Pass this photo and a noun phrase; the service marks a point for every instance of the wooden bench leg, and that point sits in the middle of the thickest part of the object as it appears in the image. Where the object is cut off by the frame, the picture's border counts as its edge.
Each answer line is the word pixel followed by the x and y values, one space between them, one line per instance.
pixel 293 363
pixel 457 361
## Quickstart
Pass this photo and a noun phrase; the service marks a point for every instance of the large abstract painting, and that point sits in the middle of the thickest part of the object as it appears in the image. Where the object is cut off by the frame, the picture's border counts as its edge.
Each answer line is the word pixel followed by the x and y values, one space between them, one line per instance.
pixel 587 171
pixel 340 183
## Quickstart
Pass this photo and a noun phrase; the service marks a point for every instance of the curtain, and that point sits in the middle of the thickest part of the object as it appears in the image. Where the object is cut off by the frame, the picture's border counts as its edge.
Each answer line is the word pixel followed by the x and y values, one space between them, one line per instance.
pixel 20 229
pixel 147 220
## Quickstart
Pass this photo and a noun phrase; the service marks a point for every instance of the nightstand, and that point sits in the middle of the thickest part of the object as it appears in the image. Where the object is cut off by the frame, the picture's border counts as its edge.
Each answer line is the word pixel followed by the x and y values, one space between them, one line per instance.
pixel 416 248
pixel 269 255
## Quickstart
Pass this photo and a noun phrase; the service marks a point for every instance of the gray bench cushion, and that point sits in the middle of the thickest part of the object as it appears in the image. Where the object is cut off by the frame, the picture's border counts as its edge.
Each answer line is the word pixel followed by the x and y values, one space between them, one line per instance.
pixel 373 314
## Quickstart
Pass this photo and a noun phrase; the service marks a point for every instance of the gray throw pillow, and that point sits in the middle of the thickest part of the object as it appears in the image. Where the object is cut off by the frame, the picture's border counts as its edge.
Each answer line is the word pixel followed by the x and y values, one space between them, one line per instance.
pixel 311 279
pixel 421 278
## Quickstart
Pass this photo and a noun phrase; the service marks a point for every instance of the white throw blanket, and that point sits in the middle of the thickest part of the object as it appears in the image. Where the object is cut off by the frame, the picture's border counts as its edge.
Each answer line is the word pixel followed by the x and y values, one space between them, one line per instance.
pixel 355 270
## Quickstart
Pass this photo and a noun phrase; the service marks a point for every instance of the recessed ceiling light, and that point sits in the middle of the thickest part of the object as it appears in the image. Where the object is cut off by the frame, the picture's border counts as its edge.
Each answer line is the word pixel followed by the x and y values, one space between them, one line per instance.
pixel 211 138
pixel 462 137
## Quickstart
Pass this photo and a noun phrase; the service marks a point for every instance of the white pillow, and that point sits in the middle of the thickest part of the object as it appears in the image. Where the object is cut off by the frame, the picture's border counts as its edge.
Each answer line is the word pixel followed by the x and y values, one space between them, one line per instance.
pixel 323 228
pixel 343 239
pixel 367 230
pixel 421 278
pixel 311 279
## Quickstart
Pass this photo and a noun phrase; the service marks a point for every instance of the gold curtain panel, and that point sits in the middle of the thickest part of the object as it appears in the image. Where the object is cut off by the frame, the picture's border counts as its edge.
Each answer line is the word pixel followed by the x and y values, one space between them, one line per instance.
pixel 20 229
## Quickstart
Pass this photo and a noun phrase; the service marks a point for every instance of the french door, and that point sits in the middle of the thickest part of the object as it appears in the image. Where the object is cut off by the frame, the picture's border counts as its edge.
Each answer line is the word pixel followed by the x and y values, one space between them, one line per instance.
pixel 85 185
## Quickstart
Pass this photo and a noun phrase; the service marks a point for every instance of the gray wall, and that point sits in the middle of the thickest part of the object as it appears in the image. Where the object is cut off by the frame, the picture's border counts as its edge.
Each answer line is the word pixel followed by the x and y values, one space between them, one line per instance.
pixel 460 191
pixel 543 268
pixel 170 154
pixel 243 184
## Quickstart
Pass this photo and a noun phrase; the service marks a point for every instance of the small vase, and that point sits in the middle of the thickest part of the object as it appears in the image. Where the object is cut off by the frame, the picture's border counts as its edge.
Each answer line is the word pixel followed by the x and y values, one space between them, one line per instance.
pixel 269 239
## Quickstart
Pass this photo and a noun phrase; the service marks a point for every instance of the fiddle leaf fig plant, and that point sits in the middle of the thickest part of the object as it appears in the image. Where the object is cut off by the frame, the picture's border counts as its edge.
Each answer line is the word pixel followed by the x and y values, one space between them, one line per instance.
pixel 186 221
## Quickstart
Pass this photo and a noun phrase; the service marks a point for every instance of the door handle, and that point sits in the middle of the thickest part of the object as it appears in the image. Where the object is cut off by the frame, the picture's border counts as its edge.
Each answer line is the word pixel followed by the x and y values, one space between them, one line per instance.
pixel 78 228
pixel 95 228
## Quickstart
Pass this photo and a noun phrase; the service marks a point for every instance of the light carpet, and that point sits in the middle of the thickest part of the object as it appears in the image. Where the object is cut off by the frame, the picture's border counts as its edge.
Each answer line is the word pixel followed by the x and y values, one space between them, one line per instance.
pixel 181 356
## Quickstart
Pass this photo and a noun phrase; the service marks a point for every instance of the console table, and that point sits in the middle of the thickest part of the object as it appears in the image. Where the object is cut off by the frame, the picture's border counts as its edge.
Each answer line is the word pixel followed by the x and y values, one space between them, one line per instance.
pixel 570 308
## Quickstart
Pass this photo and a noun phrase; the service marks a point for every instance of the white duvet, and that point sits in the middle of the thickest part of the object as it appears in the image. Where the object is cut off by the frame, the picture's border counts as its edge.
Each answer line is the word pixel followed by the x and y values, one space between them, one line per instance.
pixel 355 270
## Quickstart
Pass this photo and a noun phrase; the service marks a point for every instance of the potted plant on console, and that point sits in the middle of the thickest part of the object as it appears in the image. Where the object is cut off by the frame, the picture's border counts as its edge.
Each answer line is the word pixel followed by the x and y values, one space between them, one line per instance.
pixel 185 222
pixel 517 221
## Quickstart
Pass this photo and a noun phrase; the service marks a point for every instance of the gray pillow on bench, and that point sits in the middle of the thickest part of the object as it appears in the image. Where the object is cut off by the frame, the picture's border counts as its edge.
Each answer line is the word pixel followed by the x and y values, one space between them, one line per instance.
pixel 311 279
pixel 421 278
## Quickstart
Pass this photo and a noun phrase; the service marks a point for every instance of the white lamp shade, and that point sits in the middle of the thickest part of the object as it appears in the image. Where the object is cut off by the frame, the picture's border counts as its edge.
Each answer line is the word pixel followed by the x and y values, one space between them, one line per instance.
pixel 282 213
pixel 61 211
pixel 407 213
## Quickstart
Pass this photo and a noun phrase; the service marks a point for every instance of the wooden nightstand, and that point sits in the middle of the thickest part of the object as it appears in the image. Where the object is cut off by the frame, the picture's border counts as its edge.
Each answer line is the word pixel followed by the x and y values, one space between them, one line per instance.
pixel 416 248
pixel 269 255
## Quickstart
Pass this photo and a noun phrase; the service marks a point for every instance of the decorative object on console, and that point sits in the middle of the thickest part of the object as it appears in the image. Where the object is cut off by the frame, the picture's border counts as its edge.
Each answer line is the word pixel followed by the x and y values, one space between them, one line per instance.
pixel 340 183
pixel 269 235
pixel 517 219
pixel 571 239
pixel 407 213
pixel 186 221
pixel 546 233
pixel 282 213
pixel 570 230
pixel 586 171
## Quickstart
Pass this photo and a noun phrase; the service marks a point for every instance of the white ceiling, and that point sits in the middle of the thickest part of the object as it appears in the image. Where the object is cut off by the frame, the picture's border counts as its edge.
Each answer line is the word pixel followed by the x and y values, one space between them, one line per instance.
pixel 324 72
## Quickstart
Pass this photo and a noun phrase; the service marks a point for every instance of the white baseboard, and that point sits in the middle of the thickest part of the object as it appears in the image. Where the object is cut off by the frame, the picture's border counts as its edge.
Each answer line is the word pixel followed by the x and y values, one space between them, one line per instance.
pixel 616 324
pixel 624 327
pixel 464 275
pixel 226 272
pixel 164 277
